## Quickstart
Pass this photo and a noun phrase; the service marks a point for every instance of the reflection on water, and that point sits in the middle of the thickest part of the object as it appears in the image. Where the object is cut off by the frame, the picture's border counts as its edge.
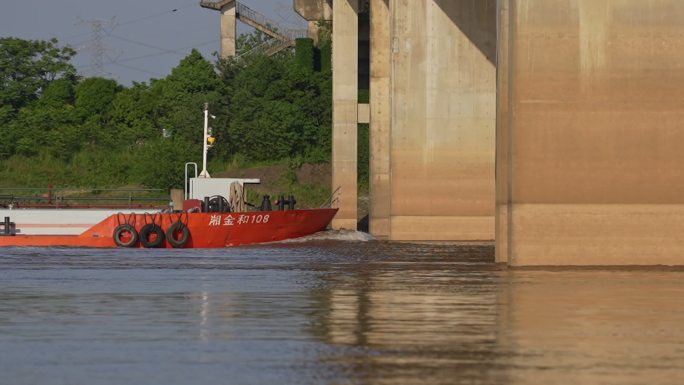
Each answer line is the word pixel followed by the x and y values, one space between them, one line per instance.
pixel 331 312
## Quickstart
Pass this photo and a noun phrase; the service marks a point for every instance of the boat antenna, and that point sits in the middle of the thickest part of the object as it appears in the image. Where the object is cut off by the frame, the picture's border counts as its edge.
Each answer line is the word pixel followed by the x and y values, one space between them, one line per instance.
pixel 205 173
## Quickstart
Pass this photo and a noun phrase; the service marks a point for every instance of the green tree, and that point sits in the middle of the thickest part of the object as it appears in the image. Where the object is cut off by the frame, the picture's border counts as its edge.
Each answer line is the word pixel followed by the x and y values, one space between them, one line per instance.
pixel 27 67
pixel 45 128
pixel 93 100
pixel 160 162
pixel 95 95
pixel 58 93
pixel 180 97
pixel 276 111
pixel 35 127
pixel 100 133
pixel 131 118
pixel 304 53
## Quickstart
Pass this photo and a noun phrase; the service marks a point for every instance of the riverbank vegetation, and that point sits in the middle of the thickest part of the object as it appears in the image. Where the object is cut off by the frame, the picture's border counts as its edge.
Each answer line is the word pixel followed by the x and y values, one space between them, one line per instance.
pixel 59 128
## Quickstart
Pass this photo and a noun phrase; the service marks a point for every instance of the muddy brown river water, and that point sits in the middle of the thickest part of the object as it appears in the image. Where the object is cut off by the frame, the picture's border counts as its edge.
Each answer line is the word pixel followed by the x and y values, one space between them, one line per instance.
pixel 332 312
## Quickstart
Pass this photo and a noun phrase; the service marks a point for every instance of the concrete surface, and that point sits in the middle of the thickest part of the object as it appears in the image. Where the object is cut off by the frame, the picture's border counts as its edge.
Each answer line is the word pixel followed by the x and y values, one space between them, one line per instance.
pixel 345 111
pixel 432 135
pixel 590 140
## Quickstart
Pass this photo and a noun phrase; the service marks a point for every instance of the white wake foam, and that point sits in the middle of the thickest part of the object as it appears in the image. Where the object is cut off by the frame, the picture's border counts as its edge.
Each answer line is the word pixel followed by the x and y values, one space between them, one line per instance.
pixel 334 235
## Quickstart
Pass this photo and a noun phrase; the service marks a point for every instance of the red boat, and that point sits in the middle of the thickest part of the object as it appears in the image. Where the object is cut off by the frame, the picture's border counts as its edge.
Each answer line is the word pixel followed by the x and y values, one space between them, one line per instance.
pixel 205 218
pixel 182 229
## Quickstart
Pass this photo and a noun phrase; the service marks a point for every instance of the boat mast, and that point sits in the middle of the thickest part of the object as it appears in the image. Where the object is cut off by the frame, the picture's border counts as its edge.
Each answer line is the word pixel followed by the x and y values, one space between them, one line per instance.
pixel 205 173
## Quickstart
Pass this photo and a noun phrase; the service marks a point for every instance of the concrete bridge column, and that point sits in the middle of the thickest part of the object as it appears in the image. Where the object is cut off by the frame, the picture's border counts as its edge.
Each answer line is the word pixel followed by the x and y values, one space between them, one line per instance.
pixel 380 119
pixel 345 110
pixel 590 138
pixel 314 11
pixel 434 165
pixel 228 30
pixel 502 159
pixel 228 24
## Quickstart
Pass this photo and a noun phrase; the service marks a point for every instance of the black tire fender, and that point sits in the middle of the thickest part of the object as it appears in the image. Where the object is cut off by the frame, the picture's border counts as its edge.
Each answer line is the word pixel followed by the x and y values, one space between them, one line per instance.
pixel 174 230
pixel 149 229
pixel 122 229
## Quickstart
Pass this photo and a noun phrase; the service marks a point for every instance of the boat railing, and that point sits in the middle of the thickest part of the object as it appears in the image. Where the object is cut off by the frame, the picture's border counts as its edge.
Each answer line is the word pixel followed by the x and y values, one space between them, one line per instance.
pixel 50 197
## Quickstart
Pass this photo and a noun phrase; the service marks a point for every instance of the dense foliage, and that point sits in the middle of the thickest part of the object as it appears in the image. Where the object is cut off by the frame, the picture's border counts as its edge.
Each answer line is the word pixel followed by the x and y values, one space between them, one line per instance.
pixel 57 127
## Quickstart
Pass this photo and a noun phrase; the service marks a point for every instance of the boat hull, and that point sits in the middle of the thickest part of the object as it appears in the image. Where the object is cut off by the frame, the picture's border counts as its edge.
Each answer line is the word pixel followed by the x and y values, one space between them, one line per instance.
pixel 56 221
pixel 206 230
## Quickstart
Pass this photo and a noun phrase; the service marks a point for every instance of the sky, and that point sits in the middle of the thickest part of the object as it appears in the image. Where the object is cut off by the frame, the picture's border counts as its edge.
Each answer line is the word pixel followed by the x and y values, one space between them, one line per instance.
pixel 140 39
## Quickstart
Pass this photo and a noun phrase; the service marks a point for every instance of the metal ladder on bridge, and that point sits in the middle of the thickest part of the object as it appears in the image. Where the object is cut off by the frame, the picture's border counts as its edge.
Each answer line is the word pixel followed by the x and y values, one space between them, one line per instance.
pixel 281 37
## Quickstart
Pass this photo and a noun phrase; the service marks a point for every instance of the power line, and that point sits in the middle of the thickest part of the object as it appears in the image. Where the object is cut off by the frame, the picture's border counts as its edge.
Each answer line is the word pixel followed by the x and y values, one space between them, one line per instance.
pixel 101 30
pixel 129 59
pixel 136 20
pixel 140 43
pixel 174 51
pixel 137 69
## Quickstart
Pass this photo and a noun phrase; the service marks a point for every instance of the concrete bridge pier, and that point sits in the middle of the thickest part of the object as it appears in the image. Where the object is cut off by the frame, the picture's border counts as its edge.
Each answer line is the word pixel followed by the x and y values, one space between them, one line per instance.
pixel 380 208
pixel 345 54
pixel 432 116
pixel 590 141
pixel 433 92
pixel 314 11
pixel 345 110
pixel 228 24
pixel 345 73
